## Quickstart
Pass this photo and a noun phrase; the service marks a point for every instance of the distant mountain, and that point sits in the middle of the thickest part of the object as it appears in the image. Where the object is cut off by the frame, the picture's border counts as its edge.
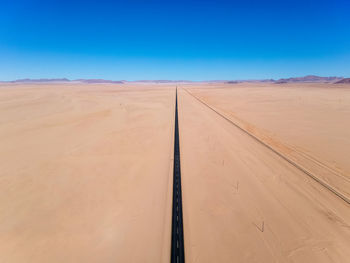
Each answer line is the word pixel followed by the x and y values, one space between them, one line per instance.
pixel 309 78
pixel 39 80
pixel 92 81
pixel 343 81
pixel 161 81
pixel 259 80
pixel 63 80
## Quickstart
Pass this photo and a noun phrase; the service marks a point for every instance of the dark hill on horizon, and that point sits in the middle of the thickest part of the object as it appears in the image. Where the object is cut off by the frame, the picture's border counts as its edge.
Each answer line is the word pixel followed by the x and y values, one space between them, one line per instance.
pixel 309 78
pixel 343 81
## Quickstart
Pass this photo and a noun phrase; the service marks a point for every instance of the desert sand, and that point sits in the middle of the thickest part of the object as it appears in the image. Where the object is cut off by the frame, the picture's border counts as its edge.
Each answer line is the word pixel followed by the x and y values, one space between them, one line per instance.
pixel 86 172
pixel 308 123
pixel 244 203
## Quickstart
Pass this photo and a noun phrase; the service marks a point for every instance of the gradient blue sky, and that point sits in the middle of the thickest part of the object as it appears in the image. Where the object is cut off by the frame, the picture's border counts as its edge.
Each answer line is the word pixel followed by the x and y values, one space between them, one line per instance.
pixel 194 40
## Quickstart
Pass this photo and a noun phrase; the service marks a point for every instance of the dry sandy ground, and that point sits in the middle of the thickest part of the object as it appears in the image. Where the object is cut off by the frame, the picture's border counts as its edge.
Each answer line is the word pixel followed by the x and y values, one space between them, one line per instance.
pixel 86 173
pixel 309 123
pixel 244 203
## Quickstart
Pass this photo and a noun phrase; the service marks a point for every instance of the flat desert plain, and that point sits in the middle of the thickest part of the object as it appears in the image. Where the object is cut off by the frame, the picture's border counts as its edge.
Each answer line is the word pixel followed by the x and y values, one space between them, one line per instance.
pixel 86 172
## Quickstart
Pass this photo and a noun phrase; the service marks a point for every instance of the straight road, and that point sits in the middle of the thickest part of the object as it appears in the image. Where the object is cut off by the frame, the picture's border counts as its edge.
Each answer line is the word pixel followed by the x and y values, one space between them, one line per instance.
pixel 177 238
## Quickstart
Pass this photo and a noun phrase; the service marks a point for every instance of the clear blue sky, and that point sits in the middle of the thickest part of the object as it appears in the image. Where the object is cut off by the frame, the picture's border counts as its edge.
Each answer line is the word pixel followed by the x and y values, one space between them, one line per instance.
pixel 194 40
